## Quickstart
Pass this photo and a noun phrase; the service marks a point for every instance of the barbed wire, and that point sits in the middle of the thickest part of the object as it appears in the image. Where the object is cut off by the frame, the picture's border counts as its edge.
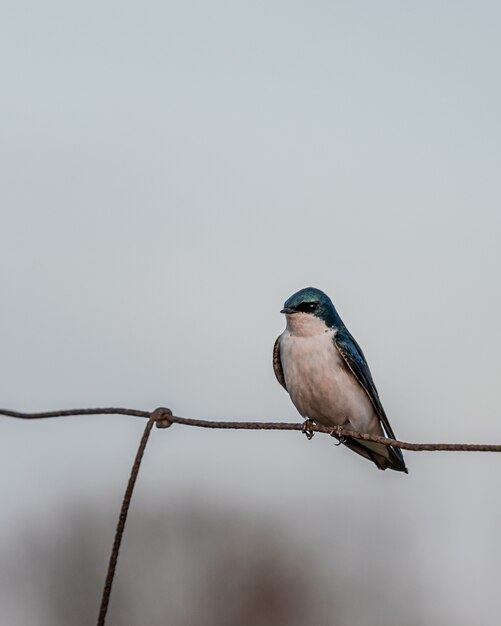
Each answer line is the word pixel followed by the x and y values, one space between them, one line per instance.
pixel 163 418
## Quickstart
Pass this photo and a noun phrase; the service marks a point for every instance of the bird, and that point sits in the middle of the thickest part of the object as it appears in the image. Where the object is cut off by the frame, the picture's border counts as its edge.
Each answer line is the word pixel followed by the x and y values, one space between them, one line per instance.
pixel 322 367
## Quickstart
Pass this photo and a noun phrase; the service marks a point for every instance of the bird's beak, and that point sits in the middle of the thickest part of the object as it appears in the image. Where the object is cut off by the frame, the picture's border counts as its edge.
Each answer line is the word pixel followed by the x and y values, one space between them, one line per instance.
pixel 287 310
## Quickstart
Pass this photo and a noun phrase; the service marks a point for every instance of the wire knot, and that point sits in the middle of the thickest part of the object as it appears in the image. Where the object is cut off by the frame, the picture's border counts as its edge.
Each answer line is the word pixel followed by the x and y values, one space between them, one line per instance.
pixel 161 417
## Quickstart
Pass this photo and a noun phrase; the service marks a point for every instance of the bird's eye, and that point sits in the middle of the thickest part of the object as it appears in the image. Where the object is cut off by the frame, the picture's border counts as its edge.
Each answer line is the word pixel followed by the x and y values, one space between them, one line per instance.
pixel 307 307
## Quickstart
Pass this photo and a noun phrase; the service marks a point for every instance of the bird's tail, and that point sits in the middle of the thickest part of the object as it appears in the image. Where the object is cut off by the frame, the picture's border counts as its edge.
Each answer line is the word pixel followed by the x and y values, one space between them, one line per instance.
pixel 385 457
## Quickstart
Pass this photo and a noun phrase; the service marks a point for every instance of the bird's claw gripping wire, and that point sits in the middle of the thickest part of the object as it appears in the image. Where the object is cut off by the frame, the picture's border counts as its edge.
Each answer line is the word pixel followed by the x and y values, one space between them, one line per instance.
pixel 338 432
pixel 308 429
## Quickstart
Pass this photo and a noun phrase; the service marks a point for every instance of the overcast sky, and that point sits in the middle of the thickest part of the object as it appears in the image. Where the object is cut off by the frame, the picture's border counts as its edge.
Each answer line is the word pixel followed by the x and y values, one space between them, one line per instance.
pixel 170 174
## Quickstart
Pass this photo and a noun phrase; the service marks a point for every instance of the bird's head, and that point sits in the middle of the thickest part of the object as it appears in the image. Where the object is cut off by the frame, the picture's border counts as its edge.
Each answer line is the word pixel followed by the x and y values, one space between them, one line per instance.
pixel 308 305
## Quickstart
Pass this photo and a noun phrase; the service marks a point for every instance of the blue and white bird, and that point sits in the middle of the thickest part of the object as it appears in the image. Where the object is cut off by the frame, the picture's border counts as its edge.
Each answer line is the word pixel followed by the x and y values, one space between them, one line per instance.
pixel 324 370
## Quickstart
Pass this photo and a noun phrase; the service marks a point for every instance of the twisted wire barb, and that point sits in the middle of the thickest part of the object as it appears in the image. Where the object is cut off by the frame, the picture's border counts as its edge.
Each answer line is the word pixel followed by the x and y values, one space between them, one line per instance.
pixel 163 422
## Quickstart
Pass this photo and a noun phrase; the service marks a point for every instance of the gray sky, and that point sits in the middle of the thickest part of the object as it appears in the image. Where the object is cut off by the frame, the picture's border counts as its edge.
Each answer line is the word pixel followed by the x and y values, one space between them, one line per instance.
pixel 171 173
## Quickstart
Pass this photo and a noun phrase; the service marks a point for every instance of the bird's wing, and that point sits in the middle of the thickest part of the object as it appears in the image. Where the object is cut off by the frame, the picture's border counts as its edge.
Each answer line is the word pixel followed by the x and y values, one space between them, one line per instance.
pixel 277 363
pixel 355 360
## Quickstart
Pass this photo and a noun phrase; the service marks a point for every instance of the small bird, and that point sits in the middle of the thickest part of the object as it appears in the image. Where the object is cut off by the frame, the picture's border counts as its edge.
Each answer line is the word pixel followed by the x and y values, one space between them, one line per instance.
pixel 324 370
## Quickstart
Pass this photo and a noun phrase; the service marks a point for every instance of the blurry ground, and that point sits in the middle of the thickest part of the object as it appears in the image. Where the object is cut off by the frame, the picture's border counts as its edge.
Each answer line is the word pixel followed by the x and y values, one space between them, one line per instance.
pixel 177 569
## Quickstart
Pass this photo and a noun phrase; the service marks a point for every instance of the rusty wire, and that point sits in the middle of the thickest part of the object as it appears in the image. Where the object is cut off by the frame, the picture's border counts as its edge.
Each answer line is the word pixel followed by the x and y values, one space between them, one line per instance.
pixel 163 422
pixel 163 418
pixel 110 575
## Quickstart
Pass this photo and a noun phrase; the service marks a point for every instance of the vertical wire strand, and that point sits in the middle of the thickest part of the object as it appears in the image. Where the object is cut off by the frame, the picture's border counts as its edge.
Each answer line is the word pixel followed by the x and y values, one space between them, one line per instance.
pixel 105 600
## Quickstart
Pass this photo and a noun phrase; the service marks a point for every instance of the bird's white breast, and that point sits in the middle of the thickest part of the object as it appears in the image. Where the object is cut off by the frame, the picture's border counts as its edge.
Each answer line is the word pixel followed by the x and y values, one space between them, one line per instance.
pixel 319 382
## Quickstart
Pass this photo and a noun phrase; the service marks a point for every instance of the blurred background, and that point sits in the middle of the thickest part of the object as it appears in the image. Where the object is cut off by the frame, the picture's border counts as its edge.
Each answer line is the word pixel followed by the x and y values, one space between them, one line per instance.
pixel 171 173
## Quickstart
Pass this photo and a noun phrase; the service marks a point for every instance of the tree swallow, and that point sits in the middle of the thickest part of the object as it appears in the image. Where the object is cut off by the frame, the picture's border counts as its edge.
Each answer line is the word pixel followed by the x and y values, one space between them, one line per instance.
pixel 325 372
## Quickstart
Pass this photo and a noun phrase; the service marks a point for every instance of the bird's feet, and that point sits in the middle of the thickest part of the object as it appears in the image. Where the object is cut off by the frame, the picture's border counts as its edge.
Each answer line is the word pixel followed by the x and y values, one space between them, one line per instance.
pixel 338 433
pixel 308 429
